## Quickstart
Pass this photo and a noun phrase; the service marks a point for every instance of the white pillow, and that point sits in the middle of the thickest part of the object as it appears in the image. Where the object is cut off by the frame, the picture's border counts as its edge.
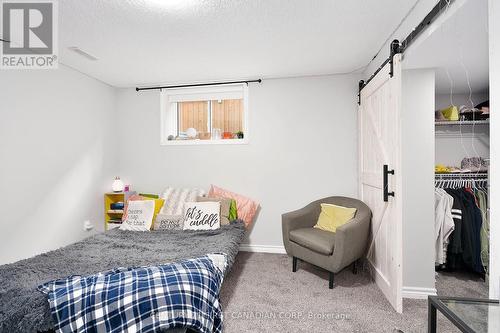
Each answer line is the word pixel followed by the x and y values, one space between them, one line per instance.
pixel 201 215
pixel 139 215
pixel 175 198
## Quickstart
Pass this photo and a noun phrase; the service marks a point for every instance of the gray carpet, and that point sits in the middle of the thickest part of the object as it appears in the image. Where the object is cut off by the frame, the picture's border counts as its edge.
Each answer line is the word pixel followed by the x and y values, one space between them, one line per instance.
pixel 261 294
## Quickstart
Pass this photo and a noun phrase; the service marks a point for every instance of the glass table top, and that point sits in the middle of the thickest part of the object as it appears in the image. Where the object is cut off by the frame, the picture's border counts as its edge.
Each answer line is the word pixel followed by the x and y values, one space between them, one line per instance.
pixel 480 316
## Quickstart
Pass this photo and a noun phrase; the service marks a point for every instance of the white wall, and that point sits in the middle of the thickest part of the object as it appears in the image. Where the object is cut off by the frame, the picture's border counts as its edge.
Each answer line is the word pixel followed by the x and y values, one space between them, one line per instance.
pixel 494 29
pixel 302 147
pixel 56 148
pixel 443 100
pixel 417 130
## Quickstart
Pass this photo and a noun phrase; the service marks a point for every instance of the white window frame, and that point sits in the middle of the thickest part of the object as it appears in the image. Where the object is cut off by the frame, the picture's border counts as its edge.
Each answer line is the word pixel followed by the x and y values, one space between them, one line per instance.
pixel 200 93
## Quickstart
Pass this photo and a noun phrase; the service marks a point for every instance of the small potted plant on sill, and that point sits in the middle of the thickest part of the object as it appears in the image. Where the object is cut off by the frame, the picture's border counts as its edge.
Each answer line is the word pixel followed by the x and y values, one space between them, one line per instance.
pixel 239 135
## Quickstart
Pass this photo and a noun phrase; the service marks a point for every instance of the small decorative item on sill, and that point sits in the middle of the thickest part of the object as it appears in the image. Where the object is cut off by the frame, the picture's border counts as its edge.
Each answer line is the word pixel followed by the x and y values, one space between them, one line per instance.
pixel 227 135
pixel 239 135
pixel 117 185
pixel 204 135
pixel 216 134
pixel 191 133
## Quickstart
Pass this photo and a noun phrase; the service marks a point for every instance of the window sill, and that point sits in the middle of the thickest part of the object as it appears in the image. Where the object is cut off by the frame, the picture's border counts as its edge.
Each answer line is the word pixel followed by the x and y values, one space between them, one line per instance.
pixel 204 142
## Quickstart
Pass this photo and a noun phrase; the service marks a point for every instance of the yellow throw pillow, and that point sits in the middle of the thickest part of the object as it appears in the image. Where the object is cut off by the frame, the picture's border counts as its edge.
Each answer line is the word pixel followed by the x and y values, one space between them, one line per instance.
pixel 333 216
pixel 158 204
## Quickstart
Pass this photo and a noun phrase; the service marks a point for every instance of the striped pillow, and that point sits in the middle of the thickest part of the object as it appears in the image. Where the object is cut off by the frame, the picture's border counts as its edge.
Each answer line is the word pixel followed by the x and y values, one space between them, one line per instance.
pixel 175 199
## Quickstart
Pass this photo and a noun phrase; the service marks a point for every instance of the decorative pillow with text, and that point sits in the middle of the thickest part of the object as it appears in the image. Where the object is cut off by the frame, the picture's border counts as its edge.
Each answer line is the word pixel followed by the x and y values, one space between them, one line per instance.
pixel 201 215
pixel 225 204
pixel 168 222
pixel 139 215
pixel 135 197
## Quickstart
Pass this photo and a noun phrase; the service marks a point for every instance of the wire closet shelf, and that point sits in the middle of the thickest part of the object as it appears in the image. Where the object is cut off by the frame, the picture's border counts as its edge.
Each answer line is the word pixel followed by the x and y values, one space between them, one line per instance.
pixel 462 122
pixel 469 175
pixel 458 180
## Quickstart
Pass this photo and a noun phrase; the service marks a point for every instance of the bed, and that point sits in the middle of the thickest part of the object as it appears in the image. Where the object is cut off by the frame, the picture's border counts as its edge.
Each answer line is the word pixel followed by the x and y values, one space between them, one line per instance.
pixel 24 309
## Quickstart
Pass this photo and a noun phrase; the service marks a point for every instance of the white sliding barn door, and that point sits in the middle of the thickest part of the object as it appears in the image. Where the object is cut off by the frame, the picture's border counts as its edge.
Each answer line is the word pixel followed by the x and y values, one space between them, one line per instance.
pixel 379 145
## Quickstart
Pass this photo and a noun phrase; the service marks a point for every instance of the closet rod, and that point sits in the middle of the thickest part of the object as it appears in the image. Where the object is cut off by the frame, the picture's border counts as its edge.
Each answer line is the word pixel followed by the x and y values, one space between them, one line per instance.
pixel 428 19
pixel 198 85
pixel 462 176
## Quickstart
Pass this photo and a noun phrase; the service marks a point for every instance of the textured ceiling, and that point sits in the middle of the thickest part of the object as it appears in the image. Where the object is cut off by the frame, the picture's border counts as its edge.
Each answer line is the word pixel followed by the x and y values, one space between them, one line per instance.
pixel 142 42
pixel 457 49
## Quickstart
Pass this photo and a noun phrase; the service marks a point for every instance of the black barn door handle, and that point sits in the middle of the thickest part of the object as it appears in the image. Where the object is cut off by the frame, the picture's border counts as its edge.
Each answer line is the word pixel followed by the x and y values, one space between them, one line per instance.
pixel 387 172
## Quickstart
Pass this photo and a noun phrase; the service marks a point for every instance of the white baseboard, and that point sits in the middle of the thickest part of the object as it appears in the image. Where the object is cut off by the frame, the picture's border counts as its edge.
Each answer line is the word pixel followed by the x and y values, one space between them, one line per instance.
pixel 418 293
pixel 262 248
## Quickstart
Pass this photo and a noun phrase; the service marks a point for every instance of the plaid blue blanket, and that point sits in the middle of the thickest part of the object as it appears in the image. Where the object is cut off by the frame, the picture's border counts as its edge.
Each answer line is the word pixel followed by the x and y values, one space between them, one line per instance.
pixel 142 299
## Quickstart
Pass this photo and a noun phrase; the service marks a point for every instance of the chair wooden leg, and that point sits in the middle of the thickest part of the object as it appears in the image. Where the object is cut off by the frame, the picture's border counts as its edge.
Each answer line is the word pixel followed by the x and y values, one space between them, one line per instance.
pixel 330 280
pixel 355 267
pixel 294 264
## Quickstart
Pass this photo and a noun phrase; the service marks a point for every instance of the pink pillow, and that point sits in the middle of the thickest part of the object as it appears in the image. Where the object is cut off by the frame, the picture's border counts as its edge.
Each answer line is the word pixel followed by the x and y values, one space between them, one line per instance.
pixel 133 197
pixel 246 206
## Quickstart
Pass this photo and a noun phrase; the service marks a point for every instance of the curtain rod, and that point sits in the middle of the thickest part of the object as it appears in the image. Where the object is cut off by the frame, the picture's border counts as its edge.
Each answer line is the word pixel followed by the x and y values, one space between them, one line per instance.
pixel 197 85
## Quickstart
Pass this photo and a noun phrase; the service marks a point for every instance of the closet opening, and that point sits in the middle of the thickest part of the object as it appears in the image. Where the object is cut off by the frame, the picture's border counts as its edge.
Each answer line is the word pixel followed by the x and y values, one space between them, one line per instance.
pixel 446 108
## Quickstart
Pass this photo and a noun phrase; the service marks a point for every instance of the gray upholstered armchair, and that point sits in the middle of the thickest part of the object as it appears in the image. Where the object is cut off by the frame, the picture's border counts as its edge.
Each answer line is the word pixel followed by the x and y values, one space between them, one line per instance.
pixel 331 251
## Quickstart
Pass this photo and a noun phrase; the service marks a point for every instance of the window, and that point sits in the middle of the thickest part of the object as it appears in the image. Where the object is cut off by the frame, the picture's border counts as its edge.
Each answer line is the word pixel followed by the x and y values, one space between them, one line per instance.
pixel 215 114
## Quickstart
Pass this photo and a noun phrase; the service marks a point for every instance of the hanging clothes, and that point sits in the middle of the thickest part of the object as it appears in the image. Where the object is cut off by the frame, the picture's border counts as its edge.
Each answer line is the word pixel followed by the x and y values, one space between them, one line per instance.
pixel 454 253
pixel 444 224
pixel 482 198
pixel 475 233
pixel 465 247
